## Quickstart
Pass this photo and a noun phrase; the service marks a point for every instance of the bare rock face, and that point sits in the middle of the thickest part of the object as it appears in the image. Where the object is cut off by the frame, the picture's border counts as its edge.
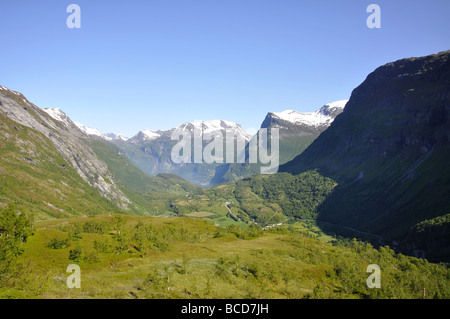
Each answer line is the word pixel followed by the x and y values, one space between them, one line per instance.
pixel 67 139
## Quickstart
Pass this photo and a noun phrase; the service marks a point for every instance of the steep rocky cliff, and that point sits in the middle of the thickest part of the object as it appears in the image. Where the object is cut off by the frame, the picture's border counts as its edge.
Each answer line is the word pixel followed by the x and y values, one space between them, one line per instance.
pixel 389 150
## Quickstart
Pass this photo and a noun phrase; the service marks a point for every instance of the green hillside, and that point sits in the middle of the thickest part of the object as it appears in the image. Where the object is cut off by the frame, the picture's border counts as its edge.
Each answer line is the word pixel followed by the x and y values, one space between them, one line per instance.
pixel 152 195
pixel 36 177
pixel 131 257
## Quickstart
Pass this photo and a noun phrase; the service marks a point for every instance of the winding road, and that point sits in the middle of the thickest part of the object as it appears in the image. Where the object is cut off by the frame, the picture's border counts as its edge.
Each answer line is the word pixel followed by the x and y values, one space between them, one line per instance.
pixel 231 213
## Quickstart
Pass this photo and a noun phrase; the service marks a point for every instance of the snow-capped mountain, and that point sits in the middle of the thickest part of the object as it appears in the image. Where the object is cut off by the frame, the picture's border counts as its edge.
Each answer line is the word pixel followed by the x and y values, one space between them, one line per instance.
pixel 319 119
pixel 62 117
pixel 333 109
pixel 150 134
pixel 147 136
pixel 297 131
pixel 214 127
pixel 88 130
pixel 95 132
pixel 59 115
pixel 114 137
pixel 150 150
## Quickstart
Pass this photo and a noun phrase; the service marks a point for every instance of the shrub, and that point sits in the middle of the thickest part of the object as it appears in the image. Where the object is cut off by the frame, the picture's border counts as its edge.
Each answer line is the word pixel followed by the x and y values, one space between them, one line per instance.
pixel 75 254
pixel 56 243
pixel 102 246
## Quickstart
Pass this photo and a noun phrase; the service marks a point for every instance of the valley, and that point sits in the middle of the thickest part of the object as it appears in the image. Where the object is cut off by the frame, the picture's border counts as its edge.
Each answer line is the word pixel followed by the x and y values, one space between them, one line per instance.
pixel 362 182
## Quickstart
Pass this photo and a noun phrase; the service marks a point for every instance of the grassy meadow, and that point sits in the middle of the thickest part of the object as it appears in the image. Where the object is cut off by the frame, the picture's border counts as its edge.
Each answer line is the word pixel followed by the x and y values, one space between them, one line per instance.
pixel 125 256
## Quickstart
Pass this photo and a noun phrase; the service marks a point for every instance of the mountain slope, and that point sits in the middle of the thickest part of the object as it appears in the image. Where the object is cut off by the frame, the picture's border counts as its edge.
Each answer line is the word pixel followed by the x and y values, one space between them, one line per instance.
pixel 58 168
pixel 151 194
pixel 389 150
pixel 67 139
pixel 37 178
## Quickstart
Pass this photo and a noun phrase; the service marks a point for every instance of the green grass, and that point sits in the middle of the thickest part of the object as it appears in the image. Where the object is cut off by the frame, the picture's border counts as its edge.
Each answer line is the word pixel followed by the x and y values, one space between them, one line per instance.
pixel 173 257
pixel 200 214
pixel 309 229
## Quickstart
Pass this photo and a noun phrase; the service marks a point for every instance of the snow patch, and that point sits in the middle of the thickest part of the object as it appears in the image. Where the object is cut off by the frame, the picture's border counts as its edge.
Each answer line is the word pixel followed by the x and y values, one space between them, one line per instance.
pixel 150 135
pixel 310 119
pixel 317 118
pixel 337 104
pixel 217 126
pixel 96 132
pixel 88 130
pixel 58 115
pixel 115 137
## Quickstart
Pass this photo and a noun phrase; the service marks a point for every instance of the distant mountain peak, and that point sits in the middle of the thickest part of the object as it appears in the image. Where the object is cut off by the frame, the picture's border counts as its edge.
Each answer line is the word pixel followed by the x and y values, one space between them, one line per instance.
pixel 115 137
pixel 146 136
pixel 150 134
pixel 333 109
pixel 310 119
pixel 216 126
pixel 315 120
pixel 88 130
pixel 207 127
pixel 95 132
pixel 58 115
pixel 338 104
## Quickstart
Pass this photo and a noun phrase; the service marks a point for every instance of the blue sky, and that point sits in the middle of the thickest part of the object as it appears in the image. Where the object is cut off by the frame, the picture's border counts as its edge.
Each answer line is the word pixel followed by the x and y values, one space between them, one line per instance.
pixel 151 64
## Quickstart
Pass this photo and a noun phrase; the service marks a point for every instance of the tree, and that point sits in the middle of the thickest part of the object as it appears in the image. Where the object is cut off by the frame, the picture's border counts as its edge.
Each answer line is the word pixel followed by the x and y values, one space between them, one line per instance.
pixel 15 228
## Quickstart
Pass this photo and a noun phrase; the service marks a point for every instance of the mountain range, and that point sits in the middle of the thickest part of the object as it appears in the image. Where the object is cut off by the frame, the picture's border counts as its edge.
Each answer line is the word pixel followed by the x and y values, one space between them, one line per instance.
pixel 150 149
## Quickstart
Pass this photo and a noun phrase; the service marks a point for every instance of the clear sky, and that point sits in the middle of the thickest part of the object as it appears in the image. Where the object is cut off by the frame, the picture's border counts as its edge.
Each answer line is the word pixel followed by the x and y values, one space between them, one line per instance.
pixel 154 64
